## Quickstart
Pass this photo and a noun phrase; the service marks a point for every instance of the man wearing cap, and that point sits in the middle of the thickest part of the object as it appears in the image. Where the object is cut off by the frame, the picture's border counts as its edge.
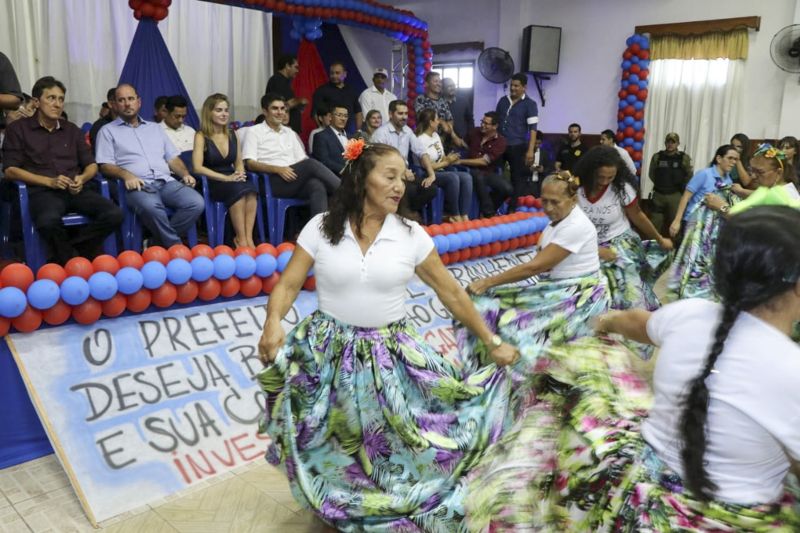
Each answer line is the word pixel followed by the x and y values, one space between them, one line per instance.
pixel 670 171
pixel 377 96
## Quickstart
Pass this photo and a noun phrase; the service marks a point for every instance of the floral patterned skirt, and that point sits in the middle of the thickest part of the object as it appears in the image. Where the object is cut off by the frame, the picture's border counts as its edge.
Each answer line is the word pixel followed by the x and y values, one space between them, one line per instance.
pixel 633 274
pixel 374 429
pixel 575 460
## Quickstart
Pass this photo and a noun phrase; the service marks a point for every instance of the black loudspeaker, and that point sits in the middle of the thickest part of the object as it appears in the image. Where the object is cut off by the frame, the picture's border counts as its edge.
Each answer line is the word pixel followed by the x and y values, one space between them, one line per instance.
pixel 541 47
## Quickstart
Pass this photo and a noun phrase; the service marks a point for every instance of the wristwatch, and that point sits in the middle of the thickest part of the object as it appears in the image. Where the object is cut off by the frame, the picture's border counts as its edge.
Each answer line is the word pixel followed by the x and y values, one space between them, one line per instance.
pixel 725 209
pixel 495 342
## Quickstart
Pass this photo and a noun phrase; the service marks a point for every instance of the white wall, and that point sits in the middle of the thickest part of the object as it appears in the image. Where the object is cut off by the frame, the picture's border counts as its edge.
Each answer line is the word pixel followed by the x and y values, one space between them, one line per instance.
pixel 592 42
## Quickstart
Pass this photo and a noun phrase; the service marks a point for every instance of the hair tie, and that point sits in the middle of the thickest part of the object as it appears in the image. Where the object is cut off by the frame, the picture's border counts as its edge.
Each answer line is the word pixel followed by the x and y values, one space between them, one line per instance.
pixel 770 152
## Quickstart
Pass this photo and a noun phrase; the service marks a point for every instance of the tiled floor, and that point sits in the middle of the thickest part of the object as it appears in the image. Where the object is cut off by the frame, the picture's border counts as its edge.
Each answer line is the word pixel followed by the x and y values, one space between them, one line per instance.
pixel 37 497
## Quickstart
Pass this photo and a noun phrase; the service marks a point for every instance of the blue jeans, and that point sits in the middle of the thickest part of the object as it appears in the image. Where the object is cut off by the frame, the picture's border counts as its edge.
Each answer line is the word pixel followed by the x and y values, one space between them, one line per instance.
pixel 151 204
pixel 457 187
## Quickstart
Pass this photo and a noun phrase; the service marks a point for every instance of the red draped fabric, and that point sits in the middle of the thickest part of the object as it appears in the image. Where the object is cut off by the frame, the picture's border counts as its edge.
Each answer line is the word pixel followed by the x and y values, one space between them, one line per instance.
pixel 312 74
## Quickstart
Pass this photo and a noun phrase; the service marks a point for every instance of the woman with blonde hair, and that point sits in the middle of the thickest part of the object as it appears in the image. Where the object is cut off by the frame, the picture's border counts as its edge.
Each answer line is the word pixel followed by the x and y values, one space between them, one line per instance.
pixel 218 156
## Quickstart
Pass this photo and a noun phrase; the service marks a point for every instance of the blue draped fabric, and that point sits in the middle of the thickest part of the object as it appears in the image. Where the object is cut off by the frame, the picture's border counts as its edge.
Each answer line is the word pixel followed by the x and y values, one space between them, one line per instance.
pixel 22 436
pixel 150 69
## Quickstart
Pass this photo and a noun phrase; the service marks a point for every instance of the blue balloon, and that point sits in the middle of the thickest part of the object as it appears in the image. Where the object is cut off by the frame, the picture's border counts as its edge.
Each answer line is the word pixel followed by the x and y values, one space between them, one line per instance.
pixel 623 103
pixel 129 280
pixel 628 121
pixel 634 59
pixel 637 146
pixel 637 164
pixel 265 265
pixel 74 290
pixel 202 268
pixel 620 125
pixel 283 260
pixel 154 274
pixel 626 64
pixel 455 242
pixel 441 243
pixel 43 294
pixel 245 266
pixel 634 78
pixel 486 236
pixel 13 302
pixel 497 234
pixel 627 141
pixel 642 84
pixel 631 98
pixel 102 286
pixel 471 238
pixel 638 105
pixel 224 267
pixel 294 35
pixel 629 40
pixel 638 125
pixel 644 63
pixel 645 44
pixel 625 84
pixel 179 271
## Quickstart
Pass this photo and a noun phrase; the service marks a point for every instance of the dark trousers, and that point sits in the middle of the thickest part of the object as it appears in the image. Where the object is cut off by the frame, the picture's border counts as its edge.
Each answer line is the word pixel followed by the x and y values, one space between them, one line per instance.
pixel 48 206
pixel 520 172
pixel 418 196
pixel 491 188
pixel 315 182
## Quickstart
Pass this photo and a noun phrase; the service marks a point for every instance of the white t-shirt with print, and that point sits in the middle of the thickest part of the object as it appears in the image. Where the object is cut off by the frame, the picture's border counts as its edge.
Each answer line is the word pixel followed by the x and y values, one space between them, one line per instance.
pixel 607 212
pixel 576 234
pixel 366 290
pixel 753 424
pixel 433 146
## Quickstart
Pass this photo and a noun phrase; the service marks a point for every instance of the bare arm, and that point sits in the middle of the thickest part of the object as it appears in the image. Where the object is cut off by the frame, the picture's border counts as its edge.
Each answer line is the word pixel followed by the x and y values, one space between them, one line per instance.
pixel 643 224
pixel 359 120
pixel 675 227
pixel 280 301
pixel 545 260
pixel 631 324
pixel 744 177
pixel 19 174
pixel 433 272
pixel 9 101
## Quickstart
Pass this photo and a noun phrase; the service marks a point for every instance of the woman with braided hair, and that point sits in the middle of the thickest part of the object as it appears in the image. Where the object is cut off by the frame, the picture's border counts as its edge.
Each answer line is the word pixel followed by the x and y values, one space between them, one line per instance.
pixel 715 451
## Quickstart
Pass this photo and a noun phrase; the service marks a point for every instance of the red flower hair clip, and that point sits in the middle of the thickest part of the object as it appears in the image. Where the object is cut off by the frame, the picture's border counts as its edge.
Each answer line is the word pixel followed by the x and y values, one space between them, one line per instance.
pixel 353 149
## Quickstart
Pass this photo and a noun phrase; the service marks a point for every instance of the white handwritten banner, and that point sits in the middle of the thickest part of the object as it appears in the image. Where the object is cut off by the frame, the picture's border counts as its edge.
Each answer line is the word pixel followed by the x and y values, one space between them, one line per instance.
pixel 141 407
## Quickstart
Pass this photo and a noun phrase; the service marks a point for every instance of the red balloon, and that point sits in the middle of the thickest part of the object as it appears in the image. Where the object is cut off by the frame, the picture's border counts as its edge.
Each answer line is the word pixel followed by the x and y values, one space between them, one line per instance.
pixel 165 295
pixel 156 253
pixel 245 250
pixel 496 247
pixel 643 74
pixel 230 287
pixel 16 275
pixel 310 284
pixel 5 324
pixel 447 228
pixel 203 250
pixel 505 246
pixel 515 243
pixel 285 247
pixel 88 312
pixel 209 289
pixel 627 54
pixel 115 306
pixel 148 10
pixel 139 301
pixel 428 65
pixel 269 283
pixel 445 257
pixel 620 115
pixel 187 293
pixel 637 156
pixel 180 251
pixel 53 272
pixel 160 13
pixel 619 136
pixel 634 90
pixel 58 314
pixel 106 263
pixel 629 111
pixel 635 68
pixel 635 48
pixel 79 266
pixel 630 150
pixel 644 54
pixel 223 249
pixel 643 95
pixel 622 94
pixel 251 286
pixel 137 14
pixel 628 132
pixel 266 248
pixel 626 74
pixel 639 115
pixel 638 136
pixel 129 258
pixel 28 321
pixel 134 4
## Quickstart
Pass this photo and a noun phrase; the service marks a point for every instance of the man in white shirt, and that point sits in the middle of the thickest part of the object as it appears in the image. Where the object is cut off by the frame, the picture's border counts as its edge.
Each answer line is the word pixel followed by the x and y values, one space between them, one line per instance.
pixel 395 132
pixel 607 139
pixel 181 135
pixel 377 96
pixel 272 148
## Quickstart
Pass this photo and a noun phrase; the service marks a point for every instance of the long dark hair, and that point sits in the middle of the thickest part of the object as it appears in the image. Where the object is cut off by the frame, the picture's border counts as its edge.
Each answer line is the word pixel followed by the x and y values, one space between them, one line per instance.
pixel 757 259
pixel 603 156
pixel 348 202
pixel 721 151
pixel 424 119
pixel 745 154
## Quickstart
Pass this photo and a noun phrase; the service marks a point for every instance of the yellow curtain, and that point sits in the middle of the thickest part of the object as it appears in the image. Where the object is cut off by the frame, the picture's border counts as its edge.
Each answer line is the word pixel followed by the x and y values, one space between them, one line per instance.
pixel 716 45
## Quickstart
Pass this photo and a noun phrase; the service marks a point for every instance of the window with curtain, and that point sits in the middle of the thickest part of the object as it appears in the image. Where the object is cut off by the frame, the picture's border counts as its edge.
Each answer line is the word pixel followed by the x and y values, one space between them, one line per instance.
pixel 695 89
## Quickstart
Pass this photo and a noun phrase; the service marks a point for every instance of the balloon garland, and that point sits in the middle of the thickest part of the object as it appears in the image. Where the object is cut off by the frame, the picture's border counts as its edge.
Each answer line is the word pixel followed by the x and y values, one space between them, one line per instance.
pixel 632 96
pixel 308 16
pixel 108 286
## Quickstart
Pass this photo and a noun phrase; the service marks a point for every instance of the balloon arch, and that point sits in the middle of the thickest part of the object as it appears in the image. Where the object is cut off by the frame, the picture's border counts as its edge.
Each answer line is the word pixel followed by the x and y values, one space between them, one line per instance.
pixel 632 96
pixel 308 16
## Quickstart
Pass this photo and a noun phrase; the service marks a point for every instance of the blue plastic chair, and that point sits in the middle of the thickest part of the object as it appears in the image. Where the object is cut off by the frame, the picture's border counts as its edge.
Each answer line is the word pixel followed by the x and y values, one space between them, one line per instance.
pixel 217 211
pixel 276 209
pixel 132 227
pixel 35 249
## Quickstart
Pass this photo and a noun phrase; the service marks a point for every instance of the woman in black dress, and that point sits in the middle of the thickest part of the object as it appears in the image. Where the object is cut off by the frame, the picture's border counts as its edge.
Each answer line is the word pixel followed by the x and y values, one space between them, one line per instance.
pixel 218 156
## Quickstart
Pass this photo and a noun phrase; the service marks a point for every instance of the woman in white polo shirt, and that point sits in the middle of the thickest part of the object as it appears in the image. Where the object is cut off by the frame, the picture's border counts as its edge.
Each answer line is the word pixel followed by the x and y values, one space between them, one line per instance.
pixel 722 435
pixel 372 426
pixel 608 197
pixel 569 289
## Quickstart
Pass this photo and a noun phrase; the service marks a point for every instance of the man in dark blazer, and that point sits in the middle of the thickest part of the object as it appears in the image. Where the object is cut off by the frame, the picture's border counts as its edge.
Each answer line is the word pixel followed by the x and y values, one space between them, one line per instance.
pixel 329 143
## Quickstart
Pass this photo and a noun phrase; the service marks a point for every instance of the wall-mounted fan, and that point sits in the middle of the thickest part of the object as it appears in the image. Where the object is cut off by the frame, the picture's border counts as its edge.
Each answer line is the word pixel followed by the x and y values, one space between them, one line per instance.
pixel 496 65
pixel 785 49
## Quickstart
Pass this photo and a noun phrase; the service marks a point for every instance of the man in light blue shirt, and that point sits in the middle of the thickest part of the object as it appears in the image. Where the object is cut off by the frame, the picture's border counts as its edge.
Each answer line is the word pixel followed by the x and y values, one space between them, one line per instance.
pixel 138 153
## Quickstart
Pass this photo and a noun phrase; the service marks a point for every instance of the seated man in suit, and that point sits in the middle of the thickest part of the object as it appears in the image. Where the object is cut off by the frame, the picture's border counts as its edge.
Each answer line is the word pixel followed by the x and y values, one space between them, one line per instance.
pixel 50 155
pixel 138 153
pixel 275 149
pixel 329 143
